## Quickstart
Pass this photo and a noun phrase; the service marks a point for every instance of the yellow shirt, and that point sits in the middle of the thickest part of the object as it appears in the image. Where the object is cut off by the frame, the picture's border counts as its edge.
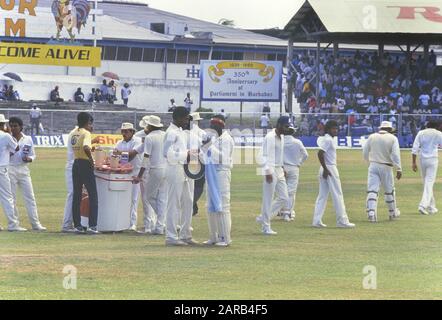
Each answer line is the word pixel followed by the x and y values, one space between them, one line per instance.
pixel 78 139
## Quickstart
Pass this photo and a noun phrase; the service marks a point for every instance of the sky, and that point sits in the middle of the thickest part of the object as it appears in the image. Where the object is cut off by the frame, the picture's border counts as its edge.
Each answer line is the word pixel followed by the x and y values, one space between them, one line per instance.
pixel 247 14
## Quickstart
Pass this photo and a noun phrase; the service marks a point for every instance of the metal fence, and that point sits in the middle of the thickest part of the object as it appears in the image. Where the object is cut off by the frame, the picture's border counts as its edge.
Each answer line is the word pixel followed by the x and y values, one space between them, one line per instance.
pixel 308 125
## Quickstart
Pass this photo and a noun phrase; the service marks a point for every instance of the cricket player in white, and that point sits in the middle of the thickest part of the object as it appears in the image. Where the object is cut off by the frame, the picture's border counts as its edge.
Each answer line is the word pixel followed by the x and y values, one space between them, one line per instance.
pixel 426 145
pixel 221 154
pixel 135 148
pixel 19 172
pixel 154 164
pixel 274 195
pixel 329 181
pixel 149 214
pixel 295 154
pixel 176 153
pixel 8 145
pixel 382 151
pixel 198 184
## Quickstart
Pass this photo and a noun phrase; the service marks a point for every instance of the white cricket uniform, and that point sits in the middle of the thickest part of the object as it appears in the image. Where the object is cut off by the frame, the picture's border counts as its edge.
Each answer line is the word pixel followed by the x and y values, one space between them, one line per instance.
pixel 426 146
pixel 273 160
pixel 331 185
pixel 220 223
pixel 178 191
pixel 156 190
pixel 7 146
pixel 128 146
pixel 148 212
pixel 295 155
pixel 67 219
pixel 382 151
pixel 20 176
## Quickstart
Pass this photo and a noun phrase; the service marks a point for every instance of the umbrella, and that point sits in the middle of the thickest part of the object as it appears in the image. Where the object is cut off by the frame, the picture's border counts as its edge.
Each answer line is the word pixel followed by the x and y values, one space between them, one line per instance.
pixel 111 75
pixel 13 76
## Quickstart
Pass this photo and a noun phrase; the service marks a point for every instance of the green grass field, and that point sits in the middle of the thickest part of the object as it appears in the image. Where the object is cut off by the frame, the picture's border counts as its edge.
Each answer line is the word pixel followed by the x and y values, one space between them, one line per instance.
pixel 299 263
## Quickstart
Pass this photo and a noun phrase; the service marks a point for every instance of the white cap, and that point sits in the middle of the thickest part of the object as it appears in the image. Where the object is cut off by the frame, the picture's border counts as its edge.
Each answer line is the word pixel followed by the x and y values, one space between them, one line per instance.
pixel 34 104
pixel 155 121
pixel 386 125
pixel 143 122
pixel 3 119
pixel 127 126
pixel 196 116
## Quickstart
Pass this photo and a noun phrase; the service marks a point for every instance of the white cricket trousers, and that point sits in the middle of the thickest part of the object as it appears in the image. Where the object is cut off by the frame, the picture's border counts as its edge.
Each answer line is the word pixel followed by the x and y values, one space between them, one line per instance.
pixel 220 223
pixel 274 197
pixel 380 174
pixel 156 195
pixel 179 208
pixel 292 179
pixel 429 168
pixel 67 219
pixel 148 212
pixel 332 186
pixel 21 178
pixel 6 198
pixel 134 204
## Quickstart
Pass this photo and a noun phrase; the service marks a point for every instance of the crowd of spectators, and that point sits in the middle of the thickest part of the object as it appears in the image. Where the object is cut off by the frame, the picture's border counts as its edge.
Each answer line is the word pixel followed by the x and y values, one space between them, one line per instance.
pixel 8 93
pixel 362 85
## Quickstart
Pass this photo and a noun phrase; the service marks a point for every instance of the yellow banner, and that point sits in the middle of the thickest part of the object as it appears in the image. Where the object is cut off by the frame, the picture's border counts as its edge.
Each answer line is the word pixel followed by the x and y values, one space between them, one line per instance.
pixel 267 72
pixel 107 140
pixel 26 53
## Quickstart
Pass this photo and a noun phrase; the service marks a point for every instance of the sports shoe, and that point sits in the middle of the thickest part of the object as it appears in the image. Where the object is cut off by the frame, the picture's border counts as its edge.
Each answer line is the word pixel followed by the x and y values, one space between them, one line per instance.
pixel 79 230
pixel 157 232
pixel 221 244
pixel 292 215
pixel 209 243
pixel 319 225
pixel 190 242
pixel 1 228
pixel 147 231
pixel 176 243
pixel 17 229
pixel 72 230
pixel 373 218
pixel 39 227
pixel 269 232
pixel 132 228
pixel 287 217
pixel 92 230
pixel 423 211
pixel 433 210
pixel 396 215
pixel 345 225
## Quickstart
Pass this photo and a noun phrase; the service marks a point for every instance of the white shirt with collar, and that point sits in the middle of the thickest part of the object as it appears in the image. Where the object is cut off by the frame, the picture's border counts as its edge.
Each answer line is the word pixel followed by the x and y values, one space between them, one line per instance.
pixel 17 158
pixel 328 145
pixel 272 152
pixel 383 148
pixel 295 153
pixel 427 143
pixel 7 146
pixel 221 151
pixel 154 148
pixel 175 150
pixel 133 144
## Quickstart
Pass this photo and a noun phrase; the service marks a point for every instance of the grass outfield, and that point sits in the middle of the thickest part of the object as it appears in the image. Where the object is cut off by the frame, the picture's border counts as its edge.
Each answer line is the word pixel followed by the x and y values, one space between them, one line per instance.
pixel 299 263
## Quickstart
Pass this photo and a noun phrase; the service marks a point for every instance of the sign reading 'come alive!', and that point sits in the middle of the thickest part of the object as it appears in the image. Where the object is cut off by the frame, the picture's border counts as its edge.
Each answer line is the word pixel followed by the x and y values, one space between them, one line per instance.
pixel 241 81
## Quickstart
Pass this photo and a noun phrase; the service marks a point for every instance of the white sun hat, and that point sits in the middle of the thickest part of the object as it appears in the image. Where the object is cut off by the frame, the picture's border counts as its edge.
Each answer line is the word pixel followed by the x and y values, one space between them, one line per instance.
pixel 3 119
pixel 196 116
pixel 143 122
pixel 386 125
pixel 127 126
pixel 155 121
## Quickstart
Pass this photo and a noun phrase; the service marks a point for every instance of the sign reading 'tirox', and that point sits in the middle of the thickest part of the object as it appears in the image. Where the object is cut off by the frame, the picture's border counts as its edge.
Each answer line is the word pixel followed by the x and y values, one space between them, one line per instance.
pixel 241 80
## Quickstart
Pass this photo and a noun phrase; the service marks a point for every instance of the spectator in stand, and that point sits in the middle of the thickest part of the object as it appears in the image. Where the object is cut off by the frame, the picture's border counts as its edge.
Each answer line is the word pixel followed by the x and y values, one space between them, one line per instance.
pixel 188 102
pixel 125 93
pixel 265 121
pixel 98 96
pixel 55 96
pixel 172 106
pixel 79 96
pixel 111 92
pixel 424 101
pixel 35 117
pixel 104 91
pixel 12 95
pixel 91 97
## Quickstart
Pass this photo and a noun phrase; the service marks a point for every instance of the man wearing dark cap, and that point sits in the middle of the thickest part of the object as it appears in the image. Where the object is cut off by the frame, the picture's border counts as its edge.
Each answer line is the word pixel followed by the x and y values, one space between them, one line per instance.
pixel 275 195
pixel 176 154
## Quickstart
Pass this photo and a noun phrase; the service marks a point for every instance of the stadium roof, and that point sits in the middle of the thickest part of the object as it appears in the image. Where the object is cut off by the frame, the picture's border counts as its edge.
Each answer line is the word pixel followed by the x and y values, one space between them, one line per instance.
pixel 134 18
pixel 362 21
